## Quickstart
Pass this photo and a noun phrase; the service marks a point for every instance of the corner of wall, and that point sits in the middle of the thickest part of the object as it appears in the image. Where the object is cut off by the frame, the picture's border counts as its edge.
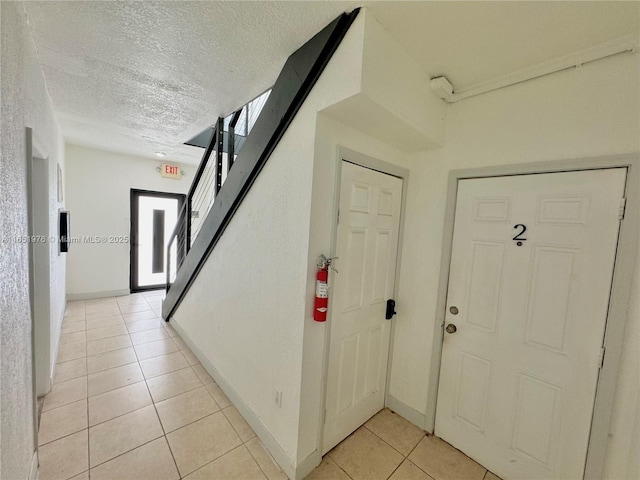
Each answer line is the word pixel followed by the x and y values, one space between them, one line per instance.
pixel 247 413
pixel 399 84
pixel 25 103
pixel 390 97
pixel 97 194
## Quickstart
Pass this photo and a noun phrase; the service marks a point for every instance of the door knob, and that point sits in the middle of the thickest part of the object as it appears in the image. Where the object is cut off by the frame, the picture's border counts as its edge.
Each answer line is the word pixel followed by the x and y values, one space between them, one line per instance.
pixel 451 328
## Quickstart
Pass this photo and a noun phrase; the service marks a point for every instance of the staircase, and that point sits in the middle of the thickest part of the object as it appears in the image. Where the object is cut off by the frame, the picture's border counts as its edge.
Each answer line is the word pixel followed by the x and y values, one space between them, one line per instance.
pixel 236 150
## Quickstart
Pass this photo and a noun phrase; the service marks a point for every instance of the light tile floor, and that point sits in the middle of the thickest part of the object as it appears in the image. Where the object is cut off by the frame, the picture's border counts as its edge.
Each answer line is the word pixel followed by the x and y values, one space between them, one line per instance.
pixel 131 401
pixel 390 447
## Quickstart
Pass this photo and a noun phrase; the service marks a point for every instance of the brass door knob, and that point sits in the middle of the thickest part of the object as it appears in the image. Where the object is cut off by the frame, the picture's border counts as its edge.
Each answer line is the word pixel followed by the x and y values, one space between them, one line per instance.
pixel 451 328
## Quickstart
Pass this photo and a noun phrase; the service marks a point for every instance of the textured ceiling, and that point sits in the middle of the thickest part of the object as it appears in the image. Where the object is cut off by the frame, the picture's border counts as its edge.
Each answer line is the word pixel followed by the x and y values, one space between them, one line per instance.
pixel 138 77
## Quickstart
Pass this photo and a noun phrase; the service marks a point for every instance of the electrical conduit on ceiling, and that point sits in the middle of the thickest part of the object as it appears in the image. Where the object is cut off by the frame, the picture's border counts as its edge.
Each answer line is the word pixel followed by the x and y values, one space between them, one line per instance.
pixel 628 44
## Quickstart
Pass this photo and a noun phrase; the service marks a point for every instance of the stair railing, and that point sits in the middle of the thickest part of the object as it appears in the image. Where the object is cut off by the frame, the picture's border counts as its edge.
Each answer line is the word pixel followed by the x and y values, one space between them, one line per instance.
pixel 209 207
pixel 227 138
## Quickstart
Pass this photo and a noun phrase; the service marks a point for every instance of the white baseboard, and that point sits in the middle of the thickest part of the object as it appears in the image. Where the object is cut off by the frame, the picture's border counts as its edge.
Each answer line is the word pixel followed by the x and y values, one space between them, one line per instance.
pixel 308 465
pixel 89 295
pixel 33 471
pixel 406 412
pixel 254 422
pixel 56 345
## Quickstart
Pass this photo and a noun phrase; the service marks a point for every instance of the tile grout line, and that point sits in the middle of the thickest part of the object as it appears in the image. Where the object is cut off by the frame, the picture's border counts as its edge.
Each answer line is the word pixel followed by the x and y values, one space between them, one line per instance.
pixel 178 394
pixel 86 359
pixel 256 460
pixel 86 399
pixel 124 348
pixel 155 356
pixel 405 457
pixel 220 456
pixel 124 453
pixel 202 384
pixel 192 422
pixel 115 417
pixel 337 465
pixel 230 423
pixel 220 409
pixel 166 439
pixel 68 434
pixel 269 457
pixel 110 368
pixel 155 409
pixel 64 404
pixel 122 414
pixel 461 453
pixel 387 443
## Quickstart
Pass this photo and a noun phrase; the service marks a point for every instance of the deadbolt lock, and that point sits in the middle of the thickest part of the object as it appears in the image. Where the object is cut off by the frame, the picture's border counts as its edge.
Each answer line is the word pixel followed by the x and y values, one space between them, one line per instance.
pixel 453 310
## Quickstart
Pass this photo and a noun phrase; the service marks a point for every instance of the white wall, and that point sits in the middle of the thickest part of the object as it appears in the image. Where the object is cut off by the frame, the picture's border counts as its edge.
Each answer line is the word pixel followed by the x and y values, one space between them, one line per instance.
pixel 25 103
pixel 48 144
pixel 330 134
pixel 591 111
pixel 53 152
pixel 398 87
pixel 98 198
pixel 249 311
pixel 391 100
pixel 246 309
pixel 245 312
pixel 623 451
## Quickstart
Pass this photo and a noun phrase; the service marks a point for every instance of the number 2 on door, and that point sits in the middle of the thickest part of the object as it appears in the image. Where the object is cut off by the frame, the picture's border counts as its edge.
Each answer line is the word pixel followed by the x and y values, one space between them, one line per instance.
pixel 519 238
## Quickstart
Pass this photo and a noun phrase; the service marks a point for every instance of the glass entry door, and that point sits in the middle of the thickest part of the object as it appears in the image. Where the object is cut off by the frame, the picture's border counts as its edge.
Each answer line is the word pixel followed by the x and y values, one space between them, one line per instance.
pixel 153 218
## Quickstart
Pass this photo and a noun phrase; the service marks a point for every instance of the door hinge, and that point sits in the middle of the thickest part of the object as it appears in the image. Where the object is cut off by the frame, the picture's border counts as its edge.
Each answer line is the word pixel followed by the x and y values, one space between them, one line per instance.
pixel 601 358
pixel 324 416
pixel 338 221
pixel 623 207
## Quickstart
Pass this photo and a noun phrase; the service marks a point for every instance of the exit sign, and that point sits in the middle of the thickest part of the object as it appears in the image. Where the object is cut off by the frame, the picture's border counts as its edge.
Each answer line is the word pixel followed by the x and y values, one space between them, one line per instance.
pixel 170 171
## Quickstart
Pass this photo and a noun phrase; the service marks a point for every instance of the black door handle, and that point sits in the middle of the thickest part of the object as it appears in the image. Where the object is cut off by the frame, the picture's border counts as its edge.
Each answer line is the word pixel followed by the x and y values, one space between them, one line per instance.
pixel 391 309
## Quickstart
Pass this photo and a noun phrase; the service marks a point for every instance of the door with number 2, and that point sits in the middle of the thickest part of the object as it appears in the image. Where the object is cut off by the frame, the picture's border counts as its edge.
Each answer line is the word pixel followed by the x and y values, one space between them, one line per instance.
pixel 530 277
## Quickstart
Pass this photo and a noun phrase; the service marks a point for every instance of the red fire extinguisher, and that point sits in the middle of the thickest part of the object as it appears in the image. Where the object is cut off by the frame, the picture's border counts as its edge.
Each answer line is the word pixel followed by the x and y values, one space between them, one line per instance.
pixel 322 289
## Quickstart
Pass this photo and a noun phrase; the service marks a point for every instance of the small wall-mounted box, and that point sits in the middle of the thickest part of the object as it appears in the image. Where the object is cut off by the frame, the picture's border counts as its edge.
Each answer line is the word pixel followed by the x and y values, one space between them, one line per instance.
pixel 64 231
pixel 442 87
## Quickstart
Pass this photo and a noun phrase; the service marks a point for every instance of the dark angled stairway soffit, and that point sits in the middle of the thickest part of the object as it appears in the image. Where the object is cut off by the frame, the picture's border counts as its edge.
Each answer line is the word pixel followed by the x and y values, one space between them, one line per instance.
pixel 296 80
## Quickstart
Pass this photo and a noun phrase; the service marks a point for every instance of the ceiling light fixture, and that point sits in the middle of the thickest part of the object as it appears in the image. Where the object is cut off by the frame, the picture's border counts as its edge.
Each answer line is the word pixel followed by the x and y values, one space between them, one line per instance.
pixel 160 154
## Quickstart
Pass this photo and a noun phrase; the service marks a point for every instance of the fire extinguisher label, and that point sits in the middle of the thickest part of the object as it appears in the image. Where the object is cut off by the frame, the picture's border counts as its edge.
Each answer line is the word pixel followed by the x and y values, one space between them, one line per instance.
pixel 322 290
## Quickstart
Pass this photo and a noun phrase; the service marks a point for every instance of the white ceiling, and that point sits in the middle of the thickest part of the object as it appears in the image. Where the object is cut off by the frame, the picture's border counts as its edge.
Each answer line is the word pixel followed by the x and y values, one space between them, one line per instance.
pixel 140 77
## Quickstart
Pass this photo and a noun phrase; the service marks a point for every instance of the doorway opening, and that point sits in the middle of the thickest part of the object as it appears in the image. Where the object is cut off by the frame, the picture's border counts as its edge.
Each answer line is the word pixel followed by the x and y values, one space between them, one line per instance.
pixel 153 218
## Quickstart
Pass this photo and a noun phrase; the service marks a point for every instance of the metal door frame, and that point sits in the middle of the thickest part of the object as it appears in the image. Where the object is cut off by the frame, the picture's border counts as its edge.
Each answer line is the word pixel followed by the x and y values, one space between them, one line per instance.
pixel 133 235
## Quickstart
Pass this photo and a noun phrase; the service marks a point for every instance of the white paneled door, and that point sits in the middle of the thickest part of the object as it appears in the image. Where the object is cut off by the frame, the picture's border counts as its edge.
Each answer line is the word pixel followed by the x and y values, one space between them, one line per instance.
pixel 531 271
pixel 367 245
